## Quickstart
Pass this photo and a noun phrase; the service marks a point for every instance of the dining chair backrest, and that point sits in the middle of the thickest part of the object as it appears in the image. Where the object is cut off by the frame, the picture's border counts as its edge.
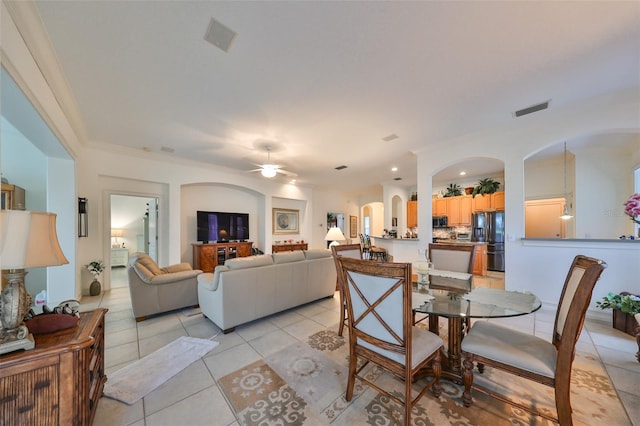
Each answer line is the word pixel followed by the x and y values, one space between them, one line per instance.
pixel 381 331
pixel 347 250
pixel 574 301
pixel 455 257
pixel 378 299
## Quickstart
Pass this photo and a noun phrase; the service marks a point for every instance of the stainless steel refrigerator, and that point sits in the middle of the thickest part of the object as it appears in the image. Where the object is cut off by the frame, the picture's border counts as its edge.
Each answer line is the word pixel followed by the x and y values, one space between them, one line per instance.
pixel 489 227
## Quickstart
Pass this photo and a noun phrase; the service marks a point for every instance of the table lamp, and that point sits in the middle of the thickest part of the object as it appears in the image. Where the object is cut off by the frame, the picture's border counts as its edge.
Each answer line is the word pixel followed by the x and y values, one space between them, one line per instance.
pixel 27 240
pixel 116 233
pixel 334 235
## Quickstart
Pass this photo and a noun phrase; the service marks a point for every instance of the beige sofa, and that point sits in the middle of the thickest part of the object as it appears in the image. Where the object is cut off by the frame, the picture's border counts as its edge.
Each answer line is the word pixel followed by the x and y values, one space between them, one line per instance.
pixel 248 288
pixel 155 290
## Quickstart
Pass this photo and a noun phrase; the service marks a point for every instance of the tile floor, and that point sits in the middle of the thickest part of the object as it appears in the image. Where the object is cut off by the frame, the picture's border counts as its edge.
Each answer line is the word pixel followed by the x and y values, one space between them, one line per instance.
pixel 193 397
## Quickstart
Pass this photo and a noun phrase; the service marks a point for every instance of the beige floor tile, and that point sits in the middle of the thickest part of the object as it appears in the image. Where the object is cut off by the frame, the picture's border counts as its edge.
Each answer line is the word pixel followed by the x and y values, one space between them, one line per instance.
pixel 255 329
pixel 286 318
pixel 159 324
pixel 111 412
pixel 121 354
pixel 117 338
pixel 193 379
pixel 329 319
pixel 157 341
pixel 303 329
pixel 619 359
pixel 226 341
pixel 632 405
pixel 226 362
pixel 206 408
pixel 272 342
pixel 624 380
pixel 309 310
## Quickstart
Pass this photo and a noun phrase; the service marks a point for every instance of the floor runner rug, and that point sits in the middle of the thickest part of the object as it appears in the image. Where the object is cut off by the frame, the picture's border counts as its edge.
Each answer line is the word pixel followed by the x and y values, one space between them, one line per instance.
pixel 133 382
pixel 304 384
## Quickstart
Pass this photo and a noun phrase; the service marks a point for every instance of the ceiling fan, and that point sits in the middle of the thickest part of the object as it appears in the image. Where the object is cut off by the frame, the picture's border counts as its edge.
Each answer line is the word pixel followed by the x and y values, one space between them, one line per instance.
pixel 269 169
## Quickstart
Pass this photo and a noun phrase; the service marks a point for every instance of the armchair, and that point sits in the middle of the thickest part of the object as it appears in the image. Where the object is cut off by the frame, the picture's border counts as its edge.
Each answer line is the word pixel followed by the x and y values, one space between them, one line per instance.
pixel 155 290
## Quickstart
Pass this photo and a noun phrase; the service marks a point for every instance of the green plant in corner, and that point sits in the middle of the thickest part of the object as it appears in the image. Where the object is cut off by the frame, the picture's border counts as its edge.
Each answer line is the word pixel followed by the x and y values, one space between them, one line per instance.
pixel 453 190
pixel 486 186
pixel 626 303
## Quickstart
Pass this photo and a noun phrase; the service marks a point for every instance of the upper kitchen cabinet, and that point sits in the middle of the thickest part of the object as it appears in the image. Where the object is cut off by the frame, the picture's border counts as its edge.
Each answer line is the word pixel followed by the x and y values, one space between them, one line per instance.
pixel 439 207
pixel 459 210
pixel 412 214
pixel 488 202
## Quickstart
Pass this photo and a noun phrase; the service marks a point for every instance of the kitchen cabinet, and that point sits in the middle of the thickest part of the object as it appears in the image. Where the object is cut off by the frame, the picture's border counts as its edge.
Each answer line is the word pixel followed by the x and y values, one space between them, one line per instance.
pixel 481 203
pixel 459 210
pixel 412 214
pixel 497 200
pixel 439 207
pixel 480 260
pixel 488 202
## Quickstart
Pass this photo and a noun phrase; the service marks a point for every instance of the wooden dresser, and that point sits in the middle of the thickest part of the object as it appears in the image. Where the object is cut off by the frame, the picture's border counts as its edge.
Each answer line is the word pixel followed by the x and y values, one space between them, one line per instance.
pixel 207 256
pixel 275 248
pixel 60 381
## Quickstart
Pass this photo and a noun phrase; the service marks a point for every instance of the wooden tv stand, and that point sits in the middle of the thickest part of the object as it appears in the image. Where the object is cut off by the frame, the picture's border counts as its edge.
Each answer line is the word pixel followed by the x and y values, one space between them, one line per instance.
pixel 207 256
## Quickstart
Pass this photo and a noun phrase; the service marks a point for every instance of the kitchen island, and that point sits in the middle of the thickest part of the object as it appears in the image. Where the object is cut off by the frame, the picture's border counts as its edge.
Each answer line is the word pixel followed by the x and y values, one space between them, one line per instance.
pixel 402 249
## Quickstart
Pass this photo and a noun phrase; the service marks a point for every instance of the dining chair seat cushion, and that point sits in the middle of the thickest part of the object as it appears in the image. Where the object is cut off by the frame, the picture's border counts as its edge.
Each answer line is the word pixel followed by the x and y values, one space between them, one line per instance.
pixel 424 343
pixel 511 347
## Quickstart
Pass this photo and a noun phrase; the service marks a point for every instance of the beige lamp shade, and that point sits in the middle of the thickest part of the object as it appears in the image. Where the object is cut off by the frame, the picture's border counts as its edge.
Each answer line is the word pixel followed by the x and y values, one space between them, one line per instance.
pixel 29 240
pixel 335 235
pixel 116 233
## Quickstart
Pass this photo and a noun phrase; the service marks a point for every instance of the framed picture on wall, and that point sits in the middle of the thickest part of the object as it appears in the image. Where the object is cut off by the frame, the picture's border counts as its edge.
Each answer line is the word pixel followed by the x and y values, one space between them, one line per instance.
pixel 286 221
pixel 353 226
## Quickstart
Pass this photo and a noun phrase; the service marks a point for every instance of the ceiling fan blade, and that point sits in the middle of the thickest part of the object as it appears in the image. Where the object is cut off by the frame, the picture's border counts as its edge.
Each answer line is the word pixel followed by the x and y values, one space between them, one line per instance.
pixel 285 172
pixel 255 170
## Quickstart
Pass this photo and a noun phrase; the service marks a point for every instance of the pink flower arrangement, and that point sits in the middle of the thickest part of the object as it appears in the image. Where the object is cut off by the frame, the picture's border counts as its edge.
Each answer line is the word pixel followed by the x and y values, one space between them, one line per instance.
pixel 632 207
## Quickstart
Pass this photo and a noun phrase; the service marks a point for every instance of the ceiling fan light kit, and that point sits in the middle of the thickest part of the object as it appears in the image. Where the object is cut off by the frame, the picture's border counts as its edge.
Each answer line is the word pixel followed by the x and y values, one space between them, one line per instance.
pixel 268 170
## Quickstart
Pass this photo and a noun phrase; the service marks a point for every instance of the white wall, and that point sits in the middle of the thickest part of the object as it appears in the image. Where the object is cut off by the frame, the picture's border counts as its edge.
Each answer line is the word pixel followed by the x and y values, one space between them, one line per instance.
pixel 542 268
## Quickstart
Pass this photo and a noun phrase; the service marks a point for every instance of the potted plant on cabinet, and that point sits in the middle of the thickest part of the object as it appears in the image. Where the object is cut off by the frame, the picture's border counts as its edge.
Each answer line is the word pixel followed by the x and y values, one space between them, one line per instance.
pixel 453 190
pixel 625 306
pixel 486 186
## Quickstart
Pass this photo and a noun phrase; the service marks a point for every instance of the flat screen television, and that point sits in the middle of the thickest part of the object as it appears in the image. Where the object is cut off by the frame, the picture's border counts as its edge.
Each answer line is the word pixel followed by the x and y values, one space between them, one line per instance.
pixel 222 226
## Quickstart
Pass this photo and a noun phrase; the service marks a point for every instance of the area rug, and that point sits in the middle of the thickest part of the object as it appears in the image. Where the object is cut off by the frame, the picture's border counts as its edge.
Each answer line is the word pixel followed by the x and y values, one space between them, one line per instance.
pixel 136 380
pixel 304 384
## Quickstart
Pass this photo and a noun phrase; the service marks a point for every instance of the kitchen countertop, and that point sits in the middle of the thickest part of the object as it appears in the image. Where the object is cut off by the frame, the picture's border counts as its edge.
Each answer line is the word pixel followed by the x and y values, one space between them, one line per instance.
pixel 459 241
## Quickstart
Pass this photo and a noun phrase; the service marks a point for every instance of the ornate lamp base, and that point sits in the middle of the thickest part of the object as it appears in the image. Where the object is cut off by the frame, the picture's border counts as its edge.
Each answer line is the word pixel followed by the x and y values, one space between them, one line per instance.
pixel 14 345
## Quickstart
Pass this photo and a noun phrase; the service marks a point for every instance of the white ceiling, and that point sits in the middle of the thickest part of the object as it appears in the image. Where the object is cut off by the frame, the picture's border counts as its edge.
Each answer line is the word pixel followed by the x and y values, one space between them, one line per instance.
pixel 324 82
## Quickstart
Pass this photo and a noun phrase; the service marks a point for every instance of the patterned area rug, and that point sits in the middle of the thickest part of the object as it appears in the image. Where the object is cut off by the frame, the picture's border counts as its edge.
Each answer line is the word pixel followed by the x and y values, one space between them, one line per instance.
pixel 304 384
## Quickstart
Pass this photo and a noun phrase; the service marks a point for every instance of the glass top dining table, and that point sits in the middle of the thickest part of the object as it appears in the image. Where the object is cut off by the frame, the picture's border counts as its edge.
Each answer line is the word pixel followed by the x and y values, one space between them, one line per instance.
pixel 460 306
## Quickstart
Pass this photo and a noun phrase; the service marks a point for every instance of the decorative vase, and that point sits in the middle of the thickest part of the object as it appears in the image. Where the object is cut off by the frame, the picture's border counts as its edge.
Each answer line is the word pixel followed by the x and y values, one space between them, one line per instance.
pixel 94 288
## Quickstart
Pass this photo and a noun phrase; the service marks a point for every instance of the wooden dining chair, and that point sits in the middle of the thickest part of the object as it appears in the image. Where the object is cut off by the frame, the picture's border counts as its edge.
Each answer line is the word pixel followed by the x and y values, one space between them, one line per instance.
pixel 353 251
pixel 529 356
pixel 378 296
pixel 453 257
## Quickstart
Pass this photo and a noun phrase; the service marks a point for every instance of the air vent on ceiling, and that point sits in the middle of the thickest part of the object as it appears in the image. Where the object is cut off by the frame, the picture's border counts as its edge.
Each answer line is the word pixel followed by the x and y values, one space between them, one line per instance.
pixel 167 149
pixel 220 35
pixel 397 178
pixel 341 167
pixel 531 109
pixel 390 137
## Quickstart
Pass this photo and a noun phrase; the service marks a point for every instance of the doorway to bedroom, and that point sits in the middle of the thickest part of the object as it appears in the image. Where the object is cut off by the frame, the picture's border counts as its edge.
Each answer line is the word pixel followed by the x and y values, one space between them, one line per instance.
pixel 134 228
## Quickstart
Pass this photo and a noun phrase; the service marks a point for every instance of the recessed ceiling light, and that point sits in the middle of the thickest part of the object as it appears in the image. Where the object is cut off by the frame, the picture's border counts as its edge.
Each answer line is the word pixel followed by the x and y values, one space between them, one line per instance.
pixel 293 181
pixel 462 173
pixel 394 169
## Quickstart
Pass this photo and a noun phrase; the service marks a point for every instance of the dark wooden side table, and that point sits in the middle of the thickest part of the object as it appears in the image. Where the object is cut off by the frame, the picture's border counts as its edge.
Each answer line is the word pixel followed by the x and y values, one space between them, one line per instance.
pixel 276 248
pixel 60 381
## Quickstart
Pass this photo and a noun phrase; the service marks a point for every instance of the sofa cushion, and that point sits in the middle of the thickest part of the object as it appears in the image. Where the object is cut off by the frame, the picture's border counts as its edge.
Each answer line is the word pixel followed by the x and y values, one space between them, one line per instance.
pixel 210 281
pixel 148 263
pixel 249 262
pixel 317 253
pixel 184 266
pixel 288 256
pixel 143 272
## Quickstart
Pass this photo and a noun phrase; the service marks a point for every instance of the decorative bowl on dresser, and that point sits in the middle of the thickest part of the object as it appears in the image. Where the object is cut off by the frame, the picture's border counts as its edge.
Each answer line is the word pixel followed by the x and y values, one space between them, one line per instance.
pixel 60 381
